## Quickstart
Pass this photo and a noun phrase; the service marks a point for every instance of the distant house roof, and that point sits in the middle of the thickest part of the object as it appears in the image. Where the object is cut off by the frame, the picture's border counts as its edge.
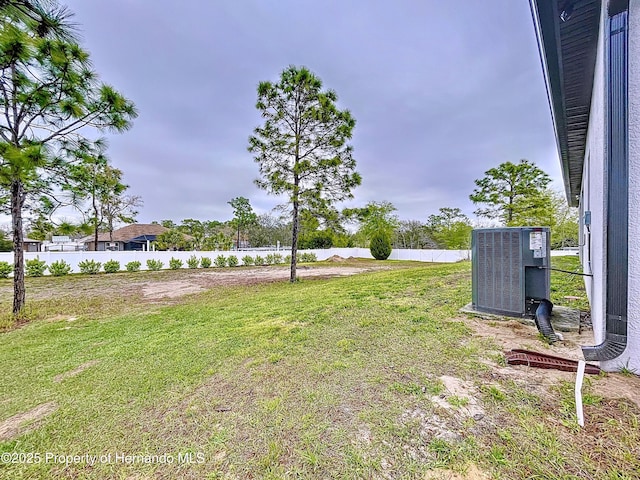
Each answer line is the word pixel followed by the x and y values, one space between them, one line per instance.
pixel 125 234
pixel 568 38
pixel 30 240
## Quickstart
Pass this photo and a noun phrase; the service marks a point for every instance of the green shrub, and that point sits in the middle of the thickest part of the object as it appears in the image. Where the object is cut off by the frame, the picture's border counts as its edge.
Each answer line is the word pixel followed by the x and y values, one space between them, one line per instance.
pixel 277 258
pixel 269 259
pixel 175 263
pixel 232 261
pixel 259 260
pixel 380 246
pixel 247 260
pixel 35 267
pixel 221 261
pixel 133 266
pixel 193 262
pixel 154 265
pixel 59 268
pixel 287 259
pixel 307 257
pixel 90 267
pixel 5 269
pixel 205 262
pixel 112 266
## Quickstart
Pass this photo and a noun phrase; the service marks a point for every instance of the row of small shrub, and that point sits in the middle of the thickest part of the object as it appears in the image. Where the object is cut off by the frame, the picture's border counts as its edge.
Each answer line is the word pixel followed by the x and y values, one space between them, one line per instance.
pixel 37 267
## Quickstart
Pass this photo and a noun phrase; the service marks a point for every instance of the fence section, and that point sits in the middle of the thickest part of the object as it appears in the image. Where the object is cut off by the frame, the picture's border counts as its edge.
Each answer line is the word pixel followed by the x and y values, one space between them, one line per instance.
pixel 74 258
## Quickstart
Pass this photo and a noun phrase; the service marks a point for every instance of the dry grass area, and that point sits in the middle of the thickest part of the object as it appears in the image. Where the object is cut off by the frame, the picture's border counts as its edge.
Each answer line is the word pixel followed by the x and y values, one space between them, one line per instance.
pixel 51 298
pixel 360 370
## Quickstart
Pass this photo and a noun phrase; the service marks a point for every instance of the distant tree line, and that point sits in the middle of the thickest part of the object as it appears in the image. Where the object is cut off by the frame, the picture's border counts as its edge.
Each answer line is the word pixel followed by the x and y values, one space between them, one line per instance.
pixel 354 227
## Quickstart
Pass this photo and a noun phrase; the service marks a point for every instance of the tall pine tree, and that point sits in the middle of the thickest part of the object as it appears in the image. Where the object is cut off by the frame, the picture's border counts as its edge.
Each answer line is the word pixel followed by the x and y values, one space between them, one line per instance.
pixel 49 95
pixel 302 147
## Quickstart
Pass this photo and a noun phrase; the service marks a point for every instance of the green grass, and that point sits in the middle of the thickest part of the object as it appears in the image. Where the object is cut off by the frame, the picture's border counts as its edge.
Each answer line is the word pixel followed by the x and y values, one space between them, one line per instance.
pixel 319 379
pixel 567 285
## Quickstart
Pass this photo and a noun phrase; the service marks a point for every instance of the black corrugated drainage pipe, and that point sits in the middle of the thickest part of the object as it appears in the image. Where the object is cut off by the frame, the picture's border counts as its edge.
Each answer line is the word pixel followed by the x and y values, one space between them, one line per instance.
pixel 615 341
pixel 543 321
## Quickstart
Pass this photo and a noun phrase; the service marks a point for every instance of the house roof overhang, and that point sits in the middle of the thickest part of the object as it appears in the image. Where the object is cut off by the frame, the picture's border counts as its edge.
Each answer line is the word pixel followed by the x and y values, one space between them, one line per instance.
pixel 567 32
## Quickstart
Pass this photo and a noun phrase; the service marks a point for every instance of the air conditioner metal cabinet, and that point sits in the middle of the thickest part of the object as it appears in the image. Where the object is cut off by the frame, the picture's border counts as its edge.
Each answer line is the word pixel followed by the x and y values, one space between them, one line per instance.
pixel 510 269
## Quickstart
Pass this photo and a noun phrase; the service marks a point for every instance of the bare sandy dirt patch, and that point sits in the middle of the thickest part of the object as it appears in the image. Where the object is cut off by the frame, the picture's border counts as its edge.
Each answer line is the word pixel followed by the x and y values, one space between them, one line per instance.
pixel 201 280
pixel 269 274
pixel 169 289
pixel 460 390
pixel 79 296
pixel 512 334
pixel 23 422
pixel 75 371
pixel 472 473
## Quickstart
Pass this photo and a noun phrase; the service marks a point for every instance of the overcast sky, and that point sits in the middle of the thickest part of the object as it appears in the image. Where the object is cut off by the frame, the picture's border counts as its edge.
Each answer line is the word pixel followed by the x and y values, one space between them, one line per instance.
pixel 441 92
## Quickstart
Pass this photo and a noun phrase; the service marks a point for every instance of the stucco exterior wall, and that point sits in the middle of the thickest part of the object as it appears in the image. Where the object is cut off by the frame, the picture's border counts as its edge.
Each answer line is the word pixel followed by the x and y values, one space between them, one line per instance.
pixel 593 188
pixel 593 197
pixel 631 357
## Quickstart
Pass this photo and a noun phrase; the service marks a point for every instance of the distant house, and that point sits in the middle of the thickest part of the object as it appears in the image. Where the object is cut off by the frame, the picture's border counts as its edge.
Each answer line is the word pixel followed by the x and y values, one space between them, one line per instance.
pixel 62 243
pixel 590 51
pixel 31 245
pixel 132 237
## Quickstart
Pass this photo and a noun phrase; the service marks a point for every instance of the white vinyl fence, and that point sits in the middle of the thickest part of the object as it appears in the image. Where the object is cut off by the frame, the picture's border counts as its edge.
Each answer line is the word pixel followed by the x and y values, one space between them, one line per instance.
pixel 73 258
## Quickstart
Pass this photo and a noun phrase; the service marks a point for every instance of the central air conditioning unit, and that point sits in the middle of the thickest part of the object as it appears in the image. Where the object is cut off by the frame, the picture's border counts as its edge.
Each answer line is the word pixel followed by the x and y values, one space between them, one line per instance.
pixel 510 269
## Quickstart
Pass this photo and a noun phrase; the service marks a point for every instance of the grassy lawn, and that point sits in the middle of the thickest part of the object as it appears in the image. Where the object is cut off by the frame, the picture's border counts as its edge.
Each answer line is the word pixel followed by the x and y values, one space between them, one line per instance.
pixel 376 375
pixel 567 285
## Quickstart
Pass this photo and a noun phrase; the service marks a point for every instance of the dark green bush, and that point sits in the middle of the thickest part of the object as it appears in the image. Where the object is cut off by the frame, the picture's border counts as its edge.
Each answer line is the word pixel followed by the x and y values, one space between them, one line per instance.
pixel 133 266
pixel 232 261
pixel 59 268
pixel 5 269
pixel 319 239
pixel 247 260
pixel 205 262
pixel 90 267
pixel 112 266
pixel 259 260
pixel 175 263
pixel 221 261
pixel 380 246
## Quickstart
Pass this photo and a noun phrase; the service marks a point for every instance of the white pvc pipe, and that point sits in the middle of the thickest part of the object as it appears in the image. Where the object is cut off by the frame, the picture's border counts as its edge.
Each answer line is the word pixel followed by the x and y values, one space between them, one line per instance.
pixel 579 378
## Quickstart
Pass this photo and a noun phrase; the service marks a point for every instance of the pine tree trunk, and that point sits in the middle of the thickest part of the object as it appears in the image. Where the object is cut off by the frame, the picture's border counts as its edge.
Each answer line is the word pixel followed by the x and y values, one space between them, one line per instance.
pixel 17 192
pixel 294 242
pixel 96 224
